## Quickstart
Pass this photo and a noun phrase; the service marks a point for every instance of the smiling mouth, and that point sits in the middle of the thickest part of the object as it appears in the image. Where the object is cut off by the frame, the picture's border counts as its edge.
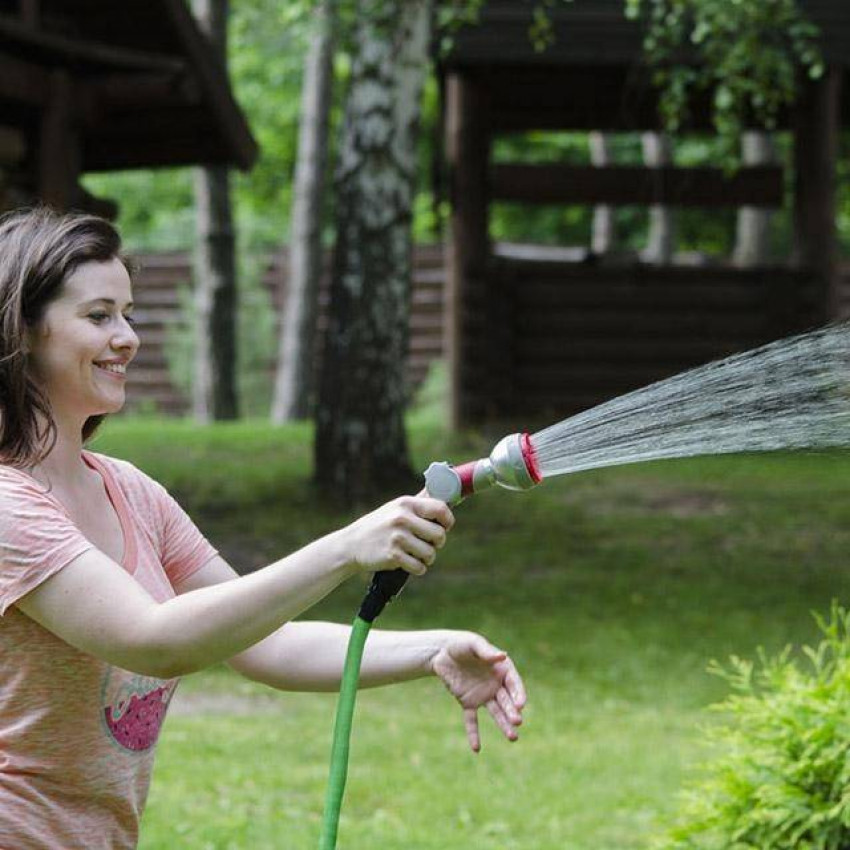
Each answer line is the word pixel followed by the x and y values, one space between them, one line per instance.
pixel 113 368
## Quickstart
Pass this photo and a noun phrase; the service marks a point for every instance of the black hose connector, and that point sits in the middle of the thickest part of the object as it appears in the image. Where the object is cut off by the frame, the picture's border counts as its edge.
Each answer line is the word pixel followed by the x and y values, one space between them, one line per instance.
pixel 385 586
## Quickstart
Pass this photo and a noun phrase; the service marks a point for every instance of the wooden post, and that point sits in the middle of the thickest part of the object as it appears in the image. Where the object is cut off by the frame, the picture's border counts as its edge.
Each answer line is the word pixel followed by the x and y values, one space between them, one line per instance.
pixel 815 151
pixel 467 150
pixel 661 241
pixel 752 236
pixel 30 12
pixel 602 229
pixel 58 146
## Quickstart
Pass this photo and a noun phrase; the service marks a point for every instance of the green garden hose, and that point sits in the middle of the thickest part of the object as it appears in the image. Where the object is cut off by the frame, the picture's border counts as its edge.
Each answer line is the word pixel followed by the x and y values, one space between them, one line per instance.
pixel 342 733
pixel 385 585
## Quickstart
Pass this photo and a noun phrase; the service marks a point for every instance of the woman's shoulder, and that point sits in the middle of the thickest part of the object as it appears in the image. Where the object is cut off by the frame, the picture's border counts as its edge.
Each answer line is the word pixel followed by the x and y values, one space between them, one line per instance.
pixel 116 466
pixel 146 498
pixel 19 491
pixel 126 475
pixel 14 478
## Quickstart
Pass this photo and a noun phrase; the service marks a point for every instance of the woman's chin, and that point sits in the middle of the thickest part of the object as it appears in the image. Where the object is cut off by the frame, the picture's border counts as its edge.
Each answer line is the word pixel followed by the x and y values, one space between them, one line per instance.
pixel 111 405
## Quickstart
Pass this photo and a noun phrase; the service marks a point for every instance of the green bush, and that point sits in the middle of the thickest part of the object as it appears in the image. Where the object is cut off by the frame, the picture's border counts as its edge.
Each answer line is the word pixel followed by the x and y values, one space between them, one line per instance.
pixel 782 776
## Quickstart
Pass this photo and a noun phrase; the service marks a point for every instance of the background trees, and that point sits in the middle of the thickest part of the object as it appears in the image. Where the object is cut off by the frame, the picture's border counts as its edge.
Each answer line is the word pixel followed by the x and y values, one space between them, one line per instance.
pixel 267 50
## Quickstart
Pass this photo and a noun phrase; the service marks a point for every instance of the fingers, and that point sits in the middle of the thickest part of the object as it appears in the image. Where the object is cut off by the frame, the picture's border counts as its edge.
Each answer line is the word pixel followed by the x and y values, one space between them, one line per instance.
pixel 432 509
pixel 420 529
pixel 512 680
pixel 486 651
pixel 502 721
pixel 424 554
pixel 515 686
pixel 470 721
pixel 424 529
pixel 509 707
pixel 404 533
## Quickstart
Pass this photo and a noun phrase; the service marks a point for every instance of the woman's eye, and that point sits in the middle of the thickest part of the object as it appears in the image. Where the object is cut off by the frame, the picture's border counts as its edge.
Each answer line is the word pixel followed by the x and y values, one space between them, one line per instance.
pixel 130 320
pixel 98 317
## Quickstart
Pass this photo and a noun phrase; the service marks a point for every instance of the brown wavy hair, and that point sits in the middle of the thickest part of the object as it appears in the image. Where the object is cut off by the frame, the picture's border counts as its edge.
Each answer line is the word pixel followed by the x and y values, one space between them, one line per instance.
pixel 39 250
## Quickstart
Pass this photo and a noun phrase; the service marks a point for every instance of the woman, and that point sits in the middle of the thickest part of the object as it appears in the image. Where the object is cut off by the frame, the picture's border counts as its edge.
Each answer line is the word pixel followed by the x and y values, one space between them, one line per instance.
pixel 109 593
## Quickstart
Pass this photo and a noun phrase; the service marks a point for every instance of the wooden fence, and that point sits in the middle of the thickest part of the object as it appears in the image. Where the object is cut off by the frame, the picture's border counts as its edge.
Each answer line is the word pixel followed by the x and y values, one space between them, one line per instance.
pixel 567 336
pixel 156 294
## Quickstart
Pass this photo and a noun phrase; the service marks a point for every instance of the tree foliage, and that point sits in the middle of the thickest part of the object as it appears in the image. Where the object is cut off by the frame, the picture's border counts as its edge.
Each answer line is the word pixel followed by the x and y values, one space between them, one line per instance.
pixel 750 55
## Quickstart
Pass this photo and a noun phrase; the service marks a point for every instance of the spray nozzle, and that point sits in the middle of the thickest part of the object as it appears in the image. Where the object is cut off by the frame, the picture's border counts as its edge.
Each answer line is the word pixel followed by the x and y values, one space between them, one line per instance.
pixel 511 464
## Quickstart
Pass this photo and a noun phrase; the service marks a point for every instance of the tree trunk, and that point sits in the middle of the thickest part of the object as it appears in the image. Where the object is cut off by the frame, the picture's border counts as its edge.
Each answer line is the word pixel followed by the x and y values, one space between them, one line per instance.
pixel 361 446
pixel 214 390
pixel 752 237
pixel 293 383
pixel 661 242
pixel 602 233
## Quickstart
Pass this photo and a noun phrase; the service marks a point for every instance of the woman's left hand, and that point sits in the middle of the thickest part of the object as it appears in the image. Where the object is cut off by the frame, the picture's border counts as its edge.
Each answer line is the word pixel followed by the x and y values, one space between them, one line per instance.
pixel 477 674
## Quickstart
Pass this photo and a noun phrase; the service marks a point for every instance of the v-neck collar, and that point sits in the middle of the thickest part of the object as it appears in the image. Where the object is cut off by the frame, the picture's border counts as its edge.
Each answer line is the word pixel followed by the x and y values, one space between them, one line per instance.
pixel 119 504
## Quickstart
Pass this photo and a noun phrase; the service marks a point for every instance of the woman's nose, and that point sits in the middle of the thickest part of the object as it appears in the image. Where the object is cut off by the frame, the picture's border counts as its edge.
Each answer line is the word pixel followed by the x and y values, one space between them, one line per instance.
pixel 125 336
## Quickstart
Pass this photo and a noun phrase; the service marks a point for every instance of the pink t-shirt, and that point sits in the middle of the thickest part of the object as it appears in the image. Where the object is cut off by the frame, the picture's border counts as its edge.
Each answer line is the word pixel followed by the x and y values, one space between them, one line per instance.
pixel 77 735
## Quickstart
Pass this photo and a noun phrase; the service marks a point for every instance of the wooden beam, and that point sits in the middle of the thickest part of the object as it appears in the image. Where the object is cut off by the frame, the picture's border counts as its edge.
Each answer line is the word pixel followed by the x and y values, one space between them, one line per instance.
pixel 110 151
pixel 23 82
pixel 128 92
pixel 107 99
pixel 817 122
pixel 760 186
pixel 214 82
pixel 21 37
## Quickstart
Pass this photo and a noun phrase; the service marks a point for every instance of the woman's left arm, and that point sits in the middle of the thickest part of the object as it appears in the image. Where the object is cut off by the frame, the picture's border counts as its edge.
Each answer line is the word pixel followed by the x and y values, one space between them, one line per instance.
pixel 309 656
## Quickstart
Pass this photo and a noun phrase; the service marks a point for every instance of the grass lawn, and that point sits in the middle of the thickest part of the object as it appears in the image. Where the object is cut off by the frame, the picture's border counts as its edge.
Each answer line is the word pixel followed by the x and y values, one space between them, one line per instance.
pixel 612 590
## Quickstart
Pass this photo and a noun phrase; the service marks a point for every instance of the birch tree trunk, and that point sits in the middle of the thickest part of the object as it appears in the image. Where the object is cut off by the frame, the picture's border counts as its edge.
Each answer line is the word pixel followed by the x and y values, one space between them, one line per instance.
pixel 293 381
pixel 661 242
pixel 752 235
pixel 214 388
pixel 361 446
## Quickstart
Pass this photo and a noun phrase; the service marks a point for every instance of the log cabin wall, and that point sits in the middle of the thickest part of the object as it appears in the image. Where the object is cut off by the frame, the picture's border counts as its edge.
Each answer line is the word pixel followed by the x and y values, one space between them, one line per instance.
pixel 572 336
pixel 534 340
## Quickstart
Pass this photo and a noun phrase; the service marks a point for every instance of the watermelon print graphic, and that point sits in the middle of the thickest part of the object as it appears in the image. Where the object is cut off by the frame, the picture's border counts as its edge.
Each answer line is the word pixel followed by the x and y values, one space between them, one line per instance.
pixel 135 714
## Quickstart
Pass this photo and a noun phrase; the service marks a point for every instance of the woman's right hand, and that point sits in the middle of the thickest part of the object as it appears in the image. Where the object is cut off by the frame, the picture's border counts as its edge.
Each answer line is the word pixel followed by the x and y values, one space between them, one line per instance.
pixel 406 533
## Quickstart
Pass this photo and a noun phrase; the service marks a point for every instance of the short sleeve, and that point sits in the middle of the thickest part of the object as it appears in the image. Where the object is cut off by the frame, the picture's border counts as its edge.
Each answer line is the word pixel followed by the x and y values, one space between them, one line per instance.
pixel 37 537
pixel 183 549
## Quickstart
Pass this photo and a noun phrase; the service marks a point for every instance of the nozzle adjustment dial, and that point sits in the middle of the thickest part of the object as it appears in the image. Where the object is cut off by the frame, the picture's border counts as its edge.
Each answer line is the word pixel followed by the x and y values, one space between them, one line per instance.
pixel 442 482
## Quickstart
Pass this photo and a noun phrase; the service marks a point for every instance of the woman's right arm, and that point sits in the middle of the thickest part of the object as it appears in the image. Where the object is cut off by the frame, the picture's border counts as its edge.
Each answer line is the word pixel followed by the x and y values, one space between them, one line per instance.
pixel 96 606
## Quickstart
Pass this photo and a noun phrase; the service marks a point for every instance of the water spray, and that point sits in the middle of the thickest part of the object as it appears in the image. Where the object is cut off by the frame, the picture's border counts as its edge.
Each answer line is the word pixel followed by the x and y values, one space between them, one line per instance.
pixel 791 394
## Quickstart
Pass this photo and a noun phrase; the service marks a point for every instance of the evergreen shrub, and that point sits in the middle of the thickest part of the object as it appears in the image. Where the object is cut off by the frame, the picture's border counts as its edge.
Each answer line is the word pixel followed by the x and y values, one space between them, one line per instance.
pixel 781 776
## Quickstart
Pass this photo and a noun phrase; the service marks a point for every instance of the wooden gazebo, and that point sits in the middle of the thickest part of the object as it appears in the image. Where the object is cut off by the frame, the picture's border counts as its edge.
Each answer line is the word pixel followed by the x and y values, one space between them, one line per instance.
pixel 99 85
pixel 536 340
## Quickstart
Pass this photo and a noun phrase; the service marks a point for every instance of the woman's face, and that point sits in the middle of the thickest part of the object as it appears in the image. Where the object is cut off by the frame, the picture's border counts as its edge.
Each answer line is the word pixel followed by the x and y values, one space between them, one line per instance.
pixel 80 349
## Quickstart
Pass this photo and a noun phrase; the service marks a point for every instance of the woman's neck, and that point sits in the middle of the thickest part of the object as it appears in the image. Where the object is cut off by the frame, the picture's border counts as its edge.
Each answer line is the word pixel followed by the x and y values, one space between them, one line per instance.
pixel 65 462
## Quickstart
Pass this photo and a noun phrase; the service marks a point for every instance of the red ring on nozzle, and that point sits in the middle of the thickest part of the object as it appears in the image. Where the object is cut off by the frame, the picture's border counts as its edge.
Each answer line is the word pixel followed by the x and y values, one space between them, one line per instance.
pixel 530 457
pixel 466 473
